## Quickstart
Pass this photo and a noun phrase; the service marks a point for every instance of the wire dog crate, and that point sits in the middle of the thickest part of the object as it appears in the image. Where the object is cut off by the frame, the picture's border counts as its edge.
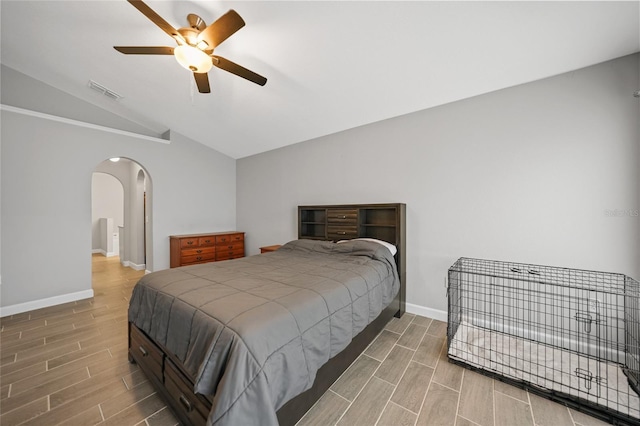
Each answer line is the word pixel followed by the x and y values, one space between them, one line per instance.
pixel 569 335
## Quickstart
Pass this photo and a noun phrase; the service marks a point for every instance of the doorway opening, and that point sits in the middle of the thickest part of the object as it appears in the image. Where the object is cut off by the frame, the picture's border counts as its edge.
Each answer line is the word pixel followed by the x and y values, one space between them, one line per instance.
pixel 121 219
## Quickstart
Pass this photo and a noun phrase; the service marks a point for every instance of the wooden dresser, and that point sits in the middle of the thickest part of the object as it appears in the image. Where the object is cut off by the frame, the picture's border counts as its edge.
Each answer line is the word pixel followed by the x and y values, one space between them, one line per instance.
pixel 201 248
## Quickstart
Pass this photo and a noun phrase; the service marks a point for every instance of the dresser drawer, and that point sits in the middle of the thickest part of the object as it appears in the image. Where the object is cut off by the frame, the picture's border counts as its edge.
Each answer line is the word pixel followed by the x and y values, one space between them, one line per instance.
pixel 226 254
pixel 224 239
pixel 206 241
pixel 189 242
pixel 190 404
pixel 202 250
pixel 337 232
pixel 349 216
pixel 143 348
pixel 197 258
pixel 230 246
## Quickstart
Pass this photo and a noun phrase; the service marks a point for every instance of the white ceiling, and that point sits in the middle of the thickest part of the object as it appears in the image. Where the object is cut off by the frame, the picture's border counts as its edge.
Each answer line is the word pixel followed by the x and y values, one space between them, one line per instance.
pixel 330 66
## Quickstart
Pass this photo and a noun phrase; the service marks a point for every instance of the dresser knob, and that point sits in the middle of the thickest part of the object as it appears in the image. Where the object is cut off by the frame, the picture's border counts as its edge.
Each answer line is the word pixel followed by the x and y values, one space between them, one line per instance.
pixel 189 242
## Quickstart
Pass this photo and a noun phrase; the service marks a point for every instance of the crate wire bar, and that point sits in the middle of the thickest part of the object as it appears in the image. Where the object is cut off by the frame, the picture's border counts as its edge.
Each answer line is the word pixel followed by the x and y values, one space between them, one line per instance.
pixel 566 334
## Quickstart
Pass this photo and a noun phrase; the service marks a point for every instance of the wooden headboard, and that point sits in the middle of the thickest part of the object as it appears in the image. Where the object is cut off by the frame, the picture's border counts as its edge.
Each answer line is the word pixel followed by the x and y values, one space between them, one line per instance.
pixel 385 222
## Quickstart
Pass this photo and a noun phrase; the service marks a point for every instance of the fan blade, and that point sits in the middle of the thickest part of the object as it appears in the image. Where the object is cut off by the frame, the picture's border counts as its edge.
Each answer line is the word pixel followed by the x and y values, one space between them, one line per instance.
pixel 202 81
pixel 238 70
pixel 222 29
pixel 142 50
pixel 156 19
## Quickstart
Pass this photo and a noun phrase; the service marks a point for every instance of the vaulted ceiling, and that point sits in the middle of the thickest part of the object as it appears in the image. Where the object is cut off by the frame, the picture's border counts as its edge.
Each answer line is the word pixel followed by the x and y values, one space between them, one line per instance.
pixel 330 65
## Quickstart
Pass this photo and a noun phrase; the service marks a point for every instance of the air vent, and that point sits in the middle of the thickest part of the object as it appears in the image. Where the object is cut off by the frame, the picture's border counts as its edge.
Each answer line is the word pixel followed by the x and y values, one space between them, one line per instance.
pixel 100 88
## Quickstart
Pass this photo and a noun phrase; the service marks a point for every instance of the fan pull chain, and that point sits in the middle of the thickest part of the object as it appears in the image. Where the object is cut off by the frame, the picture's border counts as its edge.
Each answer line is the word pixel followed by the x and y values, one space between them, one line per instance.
pixel 192 89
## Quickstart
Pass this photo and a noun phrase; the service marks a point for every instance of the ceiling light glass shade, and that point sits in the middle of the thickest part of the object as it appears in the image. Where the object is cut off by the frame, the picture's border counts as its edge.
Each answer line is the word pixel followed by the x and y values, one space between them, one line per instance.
pixel 192 58
pixel 114 159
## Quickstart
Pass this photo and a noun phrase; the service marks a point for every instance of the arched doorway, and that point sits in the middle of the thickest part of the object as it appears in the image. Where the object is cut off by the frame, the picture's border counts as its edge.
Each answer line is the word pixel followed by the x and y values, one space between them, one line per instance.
pixel 134 230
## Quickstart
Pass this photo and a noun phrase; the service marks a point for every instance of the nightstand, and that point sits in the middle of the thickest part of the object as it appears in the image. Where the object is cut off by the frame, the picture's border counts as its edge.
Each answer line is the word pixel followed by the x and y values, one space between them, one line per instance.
pixel 268 249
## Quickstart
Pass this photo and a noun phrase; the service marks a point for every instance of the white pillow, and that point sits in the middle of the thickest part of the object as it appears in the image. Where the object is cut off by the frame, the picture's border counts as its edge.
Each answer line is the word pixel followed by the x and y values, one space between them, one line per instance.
pixel 389 246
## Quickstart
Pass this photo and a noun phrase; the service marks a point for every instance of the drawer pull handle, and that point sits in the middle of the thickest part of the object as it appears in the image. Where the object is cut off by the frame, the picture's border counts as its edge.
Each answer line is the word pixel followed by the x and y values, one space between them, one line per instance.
pixel 143 351
pixel 343 217
pixel 342 233
pixel 189 242
pixel 230 247
pixel 199 258
pixel 207 241
pixel 185 402
pixel 198 251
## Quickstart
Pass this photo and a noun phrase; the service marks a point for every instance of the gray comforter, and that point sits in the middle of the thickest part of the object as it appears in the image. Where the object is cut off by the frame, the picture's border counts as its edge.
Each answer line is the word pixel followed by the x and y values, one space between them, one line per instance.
pixel 252 332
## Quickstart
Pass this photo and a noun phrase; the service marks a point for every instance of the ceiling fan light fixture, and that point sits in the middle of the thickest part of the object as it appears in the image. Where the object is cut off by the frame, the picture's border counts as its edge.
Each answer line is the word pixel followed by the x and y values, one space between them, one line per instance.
pixel 196 44
pixel 193 58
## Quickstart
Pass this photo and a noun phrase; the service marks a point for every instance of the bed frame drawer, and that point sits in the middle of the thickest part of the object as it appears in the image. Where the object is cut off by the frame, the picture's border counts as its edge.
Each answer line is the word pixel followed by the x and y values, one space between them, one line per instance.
pixel 142 348
pixel 181 390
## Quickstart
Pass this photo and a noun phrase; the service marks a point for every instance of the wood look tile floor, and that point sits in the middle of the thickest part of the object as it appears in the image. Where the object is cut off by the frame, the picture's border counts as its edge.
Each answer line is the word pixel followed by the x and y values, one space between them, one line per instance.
pixel 68 364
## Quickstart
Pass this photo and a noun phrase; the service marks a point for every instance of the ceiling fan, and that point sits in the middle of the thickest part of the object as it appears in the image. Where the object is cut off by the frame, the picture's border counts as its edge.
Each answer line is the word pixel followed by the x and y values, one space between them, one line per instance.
pixel 195 45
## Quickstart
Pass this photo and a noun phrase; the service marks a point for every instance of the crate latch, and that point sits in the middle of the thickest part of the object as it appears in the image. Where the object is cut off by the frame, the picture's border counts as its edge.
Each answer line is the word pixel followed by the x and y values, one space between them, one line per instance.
pixel 587 319
pixel 588 377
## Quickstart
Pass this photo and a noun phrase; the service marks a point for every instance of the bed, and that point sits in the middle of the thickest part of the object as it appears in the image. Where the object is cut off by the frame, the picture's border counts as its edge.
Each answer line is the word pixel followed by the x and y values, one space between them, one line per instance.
pixel 258 340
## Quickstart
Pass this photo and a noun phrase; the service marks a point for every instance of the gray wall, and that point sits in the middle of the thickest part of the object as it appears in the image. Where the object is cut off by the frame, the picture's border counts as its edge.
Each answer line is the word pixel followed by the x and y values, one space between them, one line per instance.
pixel 530 174
pixel 46 169
pixel 21 91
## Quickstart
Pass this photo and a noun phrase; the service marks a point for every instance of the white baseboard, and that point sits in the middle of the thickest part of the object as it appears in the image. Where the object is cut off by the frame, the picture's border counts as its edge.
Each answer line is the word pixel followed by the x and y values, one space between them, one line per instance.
pixel 137 267
pixel 129 264
pixel 44 303
pixel 104 253
pixel 427 312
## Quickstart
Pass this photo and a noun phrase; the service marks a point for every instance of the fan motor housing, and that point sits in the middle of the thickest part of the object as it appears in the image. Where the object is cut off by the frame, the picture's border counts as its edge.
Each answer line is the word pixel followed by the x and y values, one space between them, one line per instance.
pixel 190 35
